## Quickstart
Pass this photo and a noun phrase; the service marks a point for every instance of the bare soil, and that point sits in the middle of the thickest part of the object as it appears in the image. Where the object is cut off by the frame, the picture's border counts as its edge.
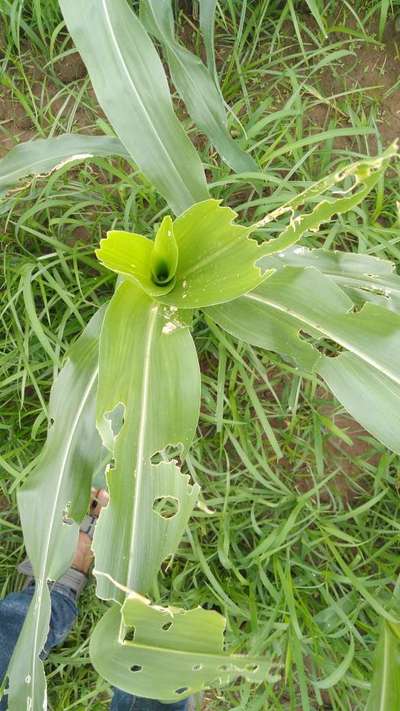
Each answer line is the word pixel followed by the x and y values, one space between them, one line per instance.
pixel 17 126
pixel 373 69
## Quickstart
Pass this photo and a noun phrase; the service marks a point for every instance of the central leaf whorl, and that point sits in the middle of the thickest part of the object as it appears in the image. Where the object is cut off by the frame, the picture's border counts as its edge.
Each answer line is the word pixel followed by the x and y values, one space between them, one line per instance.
pixel 164 256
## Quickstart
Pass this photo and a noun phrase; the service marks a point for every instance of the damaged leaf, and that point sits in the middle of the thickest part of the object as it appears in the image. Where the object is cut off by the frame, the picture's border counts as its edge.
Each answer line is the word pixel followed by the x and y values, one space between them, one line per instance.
pixel 148 364
pixel 363 175
pixel 58 486
pixel 173 653
pixel 42 156
pixel 365 377
pixel 363 277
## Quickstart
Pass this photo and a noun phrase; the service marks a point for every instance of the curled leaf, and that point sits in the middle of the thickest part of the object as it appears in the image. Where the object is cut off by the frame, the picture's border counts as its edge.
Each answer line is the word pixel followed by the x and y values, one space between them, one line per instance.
pixel 207 259
pixel 164 256
pixel 130 254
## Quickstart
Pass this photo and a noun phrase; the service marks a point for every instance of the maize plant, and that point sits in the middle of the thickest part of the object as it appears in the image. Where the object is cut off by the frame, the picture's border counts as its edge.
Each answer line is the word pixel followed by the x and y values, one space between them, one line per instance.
pixel 129 391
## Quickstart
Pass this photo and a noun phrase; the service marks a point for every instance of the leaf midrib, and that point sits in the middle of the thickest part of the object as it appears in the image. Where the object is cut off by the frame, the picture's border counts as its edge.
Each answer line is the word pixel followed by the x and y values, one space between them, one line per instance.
pixel 140 456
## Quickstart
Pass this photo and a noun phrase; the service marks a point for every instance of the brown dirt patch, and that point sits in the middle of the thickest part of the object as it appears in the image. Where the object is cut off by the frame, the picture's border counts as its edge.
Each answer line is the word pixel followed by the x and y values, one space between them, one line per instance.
pixel 348 459
pixel 16 125
pixel 14 121
pixel 70 68
pixel 80 234
pixel 375 70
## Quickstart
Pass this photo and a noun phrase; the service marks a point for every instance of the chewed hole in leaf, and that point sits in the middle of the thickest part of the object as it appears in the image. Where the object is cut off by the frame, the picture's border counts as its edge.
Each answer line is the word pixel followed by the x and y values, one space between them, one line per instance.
pixel 326 346
pixel 182 690
pixel 252 668
pixel 166 506
pixel 224 668
pixel 67 520
pixel 136 668
pixel 347 183
pixel 116 418
pixel 129 634
pixel 169 453
pixel 166 626
pixel 197 667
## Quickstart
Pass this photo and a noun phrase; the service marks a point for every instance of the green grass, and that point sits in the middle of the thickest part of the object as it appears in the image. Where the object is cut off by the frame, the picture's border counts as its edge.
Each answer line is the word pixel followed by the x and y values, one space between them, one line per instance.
pixel 299 552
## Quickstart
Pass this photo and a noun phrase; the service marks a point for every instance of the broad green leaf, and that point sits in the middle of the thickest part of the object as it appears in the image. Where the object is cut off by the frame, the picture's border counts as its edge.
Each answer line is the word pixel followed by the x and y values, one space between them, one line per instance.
pixel 364 175
pixel 52 502
pixel 43 156
pixel 259 319
pixel 216 258
pixel 385 687
pixel 131 86
pixel 149 370
pixel 363 277
pixel 164 257
pixel 253 322
pixel 365 378
pixel 370 392
pixel 174 652
pixel 207 25
pixel 195 85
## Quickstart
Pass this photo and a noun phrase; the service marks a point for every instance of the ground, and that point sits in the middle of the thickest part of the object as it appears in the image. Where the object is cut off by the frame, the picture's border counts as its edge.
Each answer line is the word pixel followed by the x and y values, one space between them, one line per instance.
pixel 323 519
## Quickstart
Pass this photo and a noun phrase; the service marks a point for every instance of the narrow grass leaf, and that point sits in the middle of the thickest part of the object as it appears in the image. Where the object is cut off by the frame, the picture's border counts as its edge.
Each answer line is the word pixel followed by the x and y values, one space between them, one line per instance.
pixel 340 671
